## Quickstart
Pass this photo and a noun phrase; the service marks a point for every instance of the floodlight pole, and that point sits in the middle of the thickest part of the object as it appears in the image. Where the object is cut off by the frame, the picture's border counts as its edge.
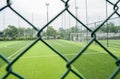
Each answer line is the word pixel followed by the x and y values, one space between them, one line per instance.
pixel 32 17
pixel 47 5
pixel 62 20
pixel 32 22
pixel 69 21
pixel 86 7
pixel 76 12
pixel 76 16
pixel 18 22
pixel 19 27
pixel 107 24
pixel 4 19
pixel 69 26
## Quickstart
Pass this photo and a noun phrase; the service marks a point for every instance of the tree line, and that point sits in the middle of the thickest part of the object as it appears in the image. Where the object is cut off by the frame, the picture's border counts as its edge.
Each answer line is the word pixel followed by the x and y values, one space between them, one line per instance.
pixel 110 27
pixel 22 33
pixel 14 33
pixel 61 33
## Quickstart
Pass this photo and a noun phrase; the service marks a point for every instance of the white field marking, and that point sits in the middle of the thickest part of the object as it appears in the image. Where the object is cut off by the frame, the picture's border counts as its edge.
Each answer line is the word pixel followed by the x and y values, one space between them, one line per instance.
pixel 43 56
pixel 39 56
pixel 5 45
pixel 16 52
pixel 61 45
pixel 9 45
pixel 58 44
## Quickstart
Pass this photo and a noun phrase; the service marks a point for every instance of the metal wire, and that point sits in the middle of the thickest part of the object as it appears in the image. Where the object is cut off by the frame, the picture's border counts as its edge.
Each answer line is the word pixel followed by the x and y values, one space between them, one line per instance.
pixel 68 62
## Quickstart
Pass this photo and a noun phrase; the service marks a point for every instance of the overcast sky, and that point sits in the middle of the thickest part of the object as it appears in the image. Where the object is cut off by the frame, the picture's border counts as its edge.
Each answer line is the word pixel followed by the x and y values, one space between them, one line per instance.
pixel 36 12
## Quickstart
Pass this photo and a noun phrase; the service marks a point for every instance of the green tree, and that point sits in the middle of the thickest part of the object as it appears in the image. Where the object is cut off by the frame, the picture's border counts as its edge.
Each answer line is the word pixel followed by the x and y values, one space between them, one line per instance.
pixel 11 32
pixel 29 33
pixel 51 31
pixel 21 32
pixel 110 27
pixel 74 30
pixel 64 33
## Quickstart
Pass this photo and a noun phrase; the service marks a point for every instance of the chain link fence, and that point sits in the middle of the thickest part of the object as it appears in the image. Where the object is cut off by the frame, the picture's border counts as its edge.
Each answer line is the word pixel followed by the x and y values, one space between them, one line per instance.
pixel 69 63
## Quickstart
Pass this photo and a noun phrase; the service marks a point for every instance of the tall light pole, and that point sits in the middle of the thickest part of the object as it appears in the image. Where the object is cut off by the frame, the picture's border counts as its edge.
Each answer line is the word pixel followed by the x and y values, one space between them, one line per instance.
pixel 107 24
pixel 69 21
pixel 18 22
pixel 76 8
pixel 65 19
pixel 86 8
pixel 47 5
pixel 62 20
pixel 4 19
pixel 76 13
pixel 19 27
pixel 32 23
pixel 32 17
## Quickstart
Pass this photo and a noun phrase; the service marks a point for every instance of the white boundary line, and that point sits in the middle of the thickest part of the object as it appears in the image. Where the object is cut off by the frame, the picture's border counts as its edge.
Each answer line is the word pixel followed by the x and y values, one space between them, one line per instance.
pixel 8 45
pixel 16 52
pixel 55 42
pixel 46 56
pixel 61 45
pixel 40 56
pixel 43 56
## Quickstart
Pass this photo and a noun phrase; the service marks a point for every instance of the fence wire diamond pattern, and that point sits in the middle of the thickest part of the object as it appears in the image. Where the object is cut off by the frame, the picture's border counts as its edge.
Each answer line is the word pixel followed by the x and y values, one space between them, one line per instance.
pixel 69 63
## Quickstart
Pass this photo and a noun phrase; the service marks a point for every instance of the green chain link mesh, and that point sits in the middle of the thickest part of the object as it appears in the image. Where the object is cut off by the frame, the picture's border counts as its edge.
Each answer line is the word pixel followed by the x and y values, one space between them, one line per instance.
pixel 68 62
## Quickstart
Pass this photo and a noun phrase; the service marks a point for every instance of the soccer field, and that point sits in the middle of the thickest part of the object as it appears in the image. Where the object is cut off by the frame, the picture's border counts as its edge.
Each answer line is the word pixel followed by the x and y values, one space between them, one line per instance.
pixel 40 62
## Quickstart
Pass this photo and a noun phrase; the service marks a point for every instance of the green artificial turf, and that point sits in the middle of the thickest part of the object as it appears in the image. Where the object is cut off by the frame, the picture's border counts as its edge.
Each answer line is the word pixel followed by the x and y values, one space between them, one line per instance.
pixel 40 62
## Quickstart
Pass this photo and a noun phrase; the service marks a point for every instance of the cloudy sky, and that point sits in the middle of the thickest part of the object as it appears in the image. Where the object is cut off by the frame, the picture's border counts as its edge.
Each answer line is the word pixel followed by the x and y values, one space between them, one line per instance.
pixel 36 12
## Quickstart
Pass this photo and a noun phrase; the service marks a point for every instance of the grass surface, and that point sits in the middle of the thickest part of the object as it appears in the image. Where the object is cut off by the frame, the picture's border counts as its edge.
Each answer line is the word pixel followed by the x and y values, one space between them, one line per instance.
pixel 11 48
pixel 111 43
pixel 40 62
